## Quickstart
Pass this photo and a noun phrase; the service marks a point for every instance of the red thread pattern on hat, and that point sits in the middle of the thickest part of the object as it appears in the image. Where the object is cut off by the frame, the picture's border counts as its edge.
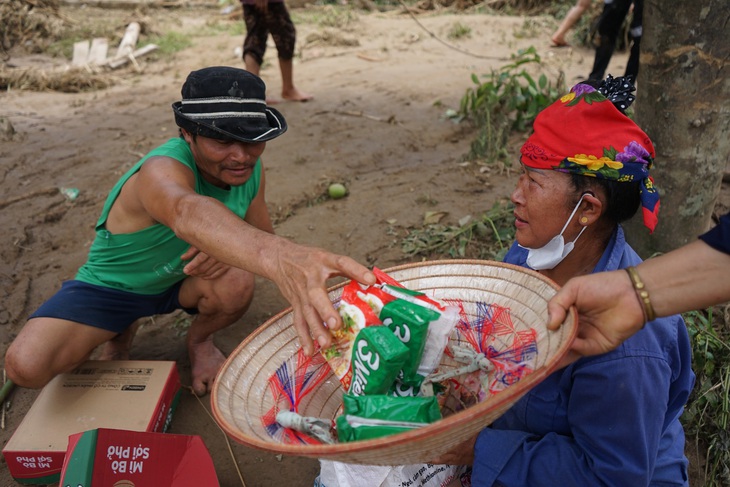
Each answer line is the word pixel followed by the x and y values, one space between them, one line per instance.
pixel 296 378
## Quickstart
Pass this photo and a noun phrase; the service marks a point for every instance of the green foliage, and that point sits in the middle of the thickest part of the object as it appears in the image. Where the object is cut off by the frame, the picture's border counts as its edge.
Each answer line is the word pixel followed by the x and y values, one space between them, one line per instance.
pixel 508 101
pixel 328 16
pixel 222 26
pixel 171 42
pixel 707 416
pixel 487 237
pixel 458 31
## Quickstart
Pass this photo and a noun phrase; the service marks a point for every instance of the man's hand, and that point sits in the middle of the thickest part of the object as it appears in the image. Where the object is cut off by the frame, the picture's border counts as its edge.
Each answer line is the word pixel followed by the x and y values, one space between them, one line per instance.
pixel 301 274
pixel 608 311
pixel 202 265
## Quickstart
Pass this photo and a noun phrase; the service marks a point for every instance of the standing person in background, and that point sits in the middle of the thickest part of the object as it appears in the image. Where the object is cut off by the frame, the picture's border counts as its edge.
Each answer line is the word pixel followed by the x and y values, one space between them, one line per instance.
pixel 573 16
pixel 271 16
pixel 609 26
pixel 613 307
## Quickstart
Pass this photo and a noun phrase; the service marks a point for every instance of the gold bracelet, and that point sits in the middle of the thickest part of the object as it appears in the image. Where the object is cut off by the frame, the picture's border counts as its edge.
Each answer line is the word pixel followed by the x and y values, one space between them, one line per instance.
pixel 641 293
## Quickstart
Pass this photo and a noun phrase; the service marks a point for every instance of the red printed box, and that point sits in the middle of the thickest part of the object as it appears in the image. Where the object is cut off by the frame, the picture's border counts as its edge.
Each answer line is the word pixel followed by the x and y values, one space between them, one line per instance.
pixel 133 395
pixel 108 458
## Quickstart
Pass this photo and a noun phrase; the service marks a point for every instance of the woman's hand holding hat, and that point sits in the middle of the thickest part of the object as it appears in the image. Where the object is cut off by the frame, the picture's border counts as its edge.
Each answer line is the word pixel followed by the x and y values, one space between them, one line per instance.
pixel 608 311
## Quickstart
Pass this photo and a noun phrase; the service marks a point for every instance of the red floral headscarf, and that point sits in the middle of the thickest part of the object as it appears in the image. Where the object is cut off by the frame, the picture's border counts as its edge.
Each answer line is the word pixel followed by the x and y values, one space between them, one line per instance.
pixel 585 133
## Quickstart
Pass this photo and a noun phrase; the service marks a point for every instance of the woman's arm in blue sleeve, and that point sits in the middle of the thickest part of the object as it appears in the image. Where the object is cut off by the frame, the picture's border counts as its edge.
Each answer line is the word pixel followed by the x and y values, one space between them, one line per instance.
pixel 616 410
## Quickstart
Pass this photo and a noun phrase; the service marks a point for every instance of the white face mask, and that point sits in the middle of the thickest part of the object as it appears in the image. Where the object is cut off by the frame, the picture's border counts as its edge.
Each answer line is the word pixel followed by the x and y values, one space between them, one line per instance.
pixel 553 252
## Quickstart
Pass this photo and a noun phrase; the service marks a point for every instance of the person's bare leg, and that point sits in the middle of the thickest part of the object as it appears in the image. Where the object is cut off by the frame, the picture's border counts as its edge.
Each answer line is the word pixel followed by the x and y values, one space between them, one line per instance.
pixel 288 90
pixel 573 15
pixel 220 302
pixel 205 358
pixel 252 66
pixel 46 347
pixel 118 347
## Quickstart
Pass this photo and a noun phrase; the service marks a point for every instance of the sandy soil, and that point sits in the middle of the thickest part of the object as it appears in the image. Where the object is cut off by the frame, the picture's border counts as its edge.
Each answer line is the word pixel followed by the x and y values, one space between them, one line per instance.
pixel 382 84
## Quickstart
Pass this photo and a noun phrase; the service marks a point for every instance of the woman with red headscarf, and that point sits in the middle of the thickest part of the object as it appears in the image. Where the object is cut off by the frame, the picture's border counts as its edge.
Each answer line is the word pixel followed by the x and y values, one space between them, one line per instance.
pixel 611 419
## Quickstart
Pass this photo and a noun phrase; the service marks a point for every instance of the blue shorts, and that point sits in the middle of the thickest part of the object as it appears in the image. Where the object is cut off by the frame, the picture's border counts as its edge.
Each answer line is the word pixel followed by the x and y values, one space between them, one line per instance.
pixel 107 308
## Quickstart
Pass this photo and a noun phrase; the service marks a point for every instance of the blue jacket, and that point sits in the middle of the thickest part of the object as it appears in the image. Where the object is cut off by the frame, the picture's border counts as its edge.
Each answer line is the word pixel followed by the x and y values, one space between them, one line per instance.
pixel 608 420
pixel 719 236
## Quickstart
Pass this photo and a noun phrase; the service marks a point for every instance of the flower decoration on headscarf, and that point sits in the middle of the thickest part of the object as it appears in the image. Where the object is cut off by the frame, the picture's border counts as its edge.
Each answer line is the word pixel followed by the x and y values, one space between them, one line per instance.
pixel 586 132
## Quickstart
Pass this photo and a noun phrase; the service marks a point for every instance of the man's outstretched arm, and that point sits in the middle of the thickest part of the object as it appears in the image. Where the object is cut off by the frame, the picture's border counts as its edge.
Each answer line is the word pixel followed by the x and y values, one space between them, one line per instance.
pixel 167 192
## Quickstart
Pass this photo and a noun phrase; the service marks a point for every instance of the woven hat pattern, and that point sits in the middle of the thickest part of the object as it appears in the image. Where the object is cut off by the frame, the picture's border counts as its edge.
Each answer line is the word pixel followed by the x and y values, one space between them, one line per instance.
pixel 503 309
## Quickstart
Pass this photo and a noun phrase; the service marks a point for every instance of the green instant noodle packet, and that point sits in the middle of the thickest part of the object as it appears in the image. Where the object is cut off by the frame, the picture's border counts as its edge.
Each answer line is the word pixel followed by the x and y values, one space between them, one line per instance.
pixel 367 417
pixel 409 322
pixel 377 358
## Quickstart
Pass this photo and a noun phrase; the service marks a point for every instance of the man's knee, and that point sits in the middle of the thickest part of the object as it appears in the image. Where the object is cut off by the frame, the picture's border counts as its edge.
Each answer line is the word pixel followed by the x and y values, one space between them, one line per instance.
pixel 46 347
pixel 26 369
pixel 235 292
pixel 231 294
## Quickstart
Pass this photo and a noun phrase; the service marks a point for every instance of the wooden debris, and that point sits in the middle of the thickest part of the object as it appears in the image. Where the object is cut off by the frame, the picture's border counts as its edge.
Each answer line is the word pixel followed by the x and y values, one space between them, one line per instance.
pixel 81 53
pixel 369 58
pixel 98 50
pixel 129 40
pixel 93 53
pixel 132 57
pixel 349 113
pixel 7 387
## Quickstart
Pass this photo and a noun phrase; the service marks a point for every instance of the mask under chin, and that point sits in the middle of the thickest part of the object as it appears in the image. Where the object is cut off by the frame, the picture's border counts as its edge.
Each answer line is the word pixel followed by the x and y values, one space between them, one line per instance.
pixel 549 255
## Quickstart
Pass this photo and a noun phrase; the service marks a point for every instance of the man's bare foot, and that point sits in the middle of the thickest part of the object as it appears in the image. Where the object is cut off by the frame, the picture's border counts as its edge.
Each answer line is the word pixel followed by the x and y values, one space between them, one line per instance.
pixel 205 361
pixel 559 42
pixel 296 95
pixel 114 350
pixel 118 347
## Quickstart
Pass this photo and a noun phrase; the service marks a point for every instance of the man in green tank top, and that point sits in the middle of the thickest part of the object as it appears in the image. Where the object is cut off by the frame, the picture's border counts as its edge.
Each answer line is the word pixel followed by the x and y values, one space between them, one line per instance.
pixel 186 228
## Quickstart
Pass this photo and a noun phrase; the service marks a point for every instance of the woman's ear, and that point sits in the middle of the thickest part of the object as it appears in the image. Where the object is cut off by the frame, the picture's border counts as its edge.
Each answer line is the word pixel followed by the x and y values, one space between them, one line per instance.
pixel 591 209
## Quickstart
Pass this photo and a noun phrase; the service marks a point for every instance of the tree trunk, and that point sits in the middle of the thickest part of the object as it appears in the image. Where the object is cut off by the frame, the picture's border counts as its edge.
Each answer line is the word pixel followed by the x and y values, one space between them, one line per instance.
pixel 682 104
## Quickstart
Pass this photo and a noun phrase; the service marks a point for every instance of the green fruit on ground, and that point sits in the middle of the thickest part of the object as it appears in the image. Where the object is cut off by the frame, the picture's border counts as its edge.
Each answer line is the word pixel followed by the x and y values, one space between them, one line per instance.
pixel 337 191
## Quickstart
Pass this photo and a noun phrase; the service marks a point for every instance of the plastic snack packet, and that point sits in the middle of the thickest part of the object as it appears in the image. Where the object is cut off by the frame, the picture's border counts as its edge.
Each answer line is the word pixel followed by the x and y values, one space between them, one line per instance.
pixel 377 358
pixel 367 417
pixel 409 322
pixel 356 314
pixel 422 323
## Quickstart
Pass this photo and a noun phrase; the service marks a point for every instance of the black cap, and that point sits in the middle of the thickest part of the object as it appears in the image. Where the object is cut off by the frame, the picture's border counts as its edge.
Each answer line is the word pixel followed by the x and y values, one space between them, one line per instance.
pixel 222 102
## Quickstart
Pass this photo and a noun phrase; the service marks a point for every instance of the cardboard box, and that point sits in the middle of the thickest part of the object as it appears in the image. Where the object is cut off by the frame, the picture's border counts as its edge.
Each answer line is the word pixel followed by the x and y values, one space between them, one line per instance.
pixel 128 395
pixel 109 458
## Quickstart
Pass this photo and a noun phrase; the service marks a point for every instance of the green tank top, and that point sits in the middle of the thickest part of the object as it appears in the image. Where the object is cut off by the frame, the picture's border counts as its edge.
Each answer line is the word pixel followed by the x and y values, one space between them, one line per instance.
pixel 148 261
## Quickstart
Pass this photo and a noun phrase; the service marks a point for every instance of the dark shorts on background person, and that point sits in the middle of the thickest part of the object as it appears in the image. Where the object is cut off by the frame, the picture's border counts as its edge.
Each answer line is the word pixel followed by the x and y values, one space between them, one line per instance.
pixel 277 22
pixel 106 308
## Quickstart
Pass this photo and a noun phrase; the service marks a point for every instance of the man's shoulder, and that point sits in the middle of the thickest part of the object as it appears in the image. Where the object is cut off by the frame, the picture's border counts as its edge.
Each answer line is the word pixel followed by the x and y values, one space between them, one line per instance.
pixel 175 148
